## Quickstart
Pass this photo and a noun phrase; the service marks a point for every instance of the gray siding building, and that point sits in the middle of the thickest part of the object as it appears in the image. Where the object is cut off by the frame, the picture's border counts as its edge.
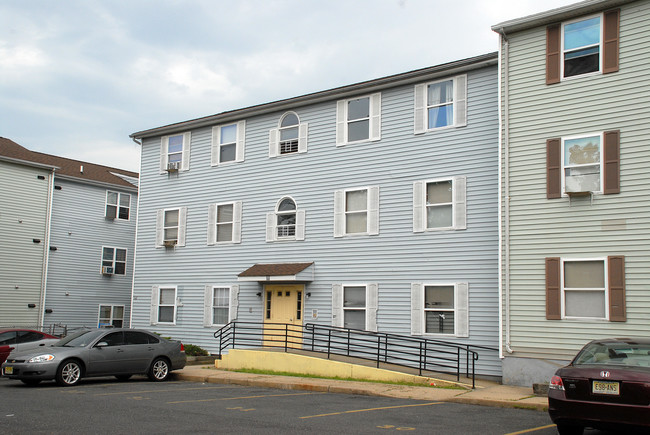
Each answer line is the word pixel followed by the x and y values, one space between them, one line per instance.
pixel 372 206
pixel 575 162
pixel 68 241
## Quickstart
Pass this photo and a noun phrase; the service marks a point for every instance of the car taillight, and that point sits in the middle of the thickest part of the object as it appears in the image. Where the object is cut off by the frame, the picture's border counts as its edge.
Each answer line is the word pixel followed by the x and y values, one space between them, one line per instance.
pixel 182 348
pixel 556 383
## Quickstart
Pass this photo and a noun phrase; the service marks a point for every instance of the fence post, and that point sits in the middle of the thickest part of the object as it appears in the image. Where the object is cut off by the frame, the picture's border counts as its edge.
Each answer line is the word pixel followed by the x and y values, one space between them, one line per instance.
pixel 378 349
pixel 329 342
pixel 313 333
pixel 458 363
pixel 420 361
pixel 286 335
pixel 425 354
pixel 386 350
pixel 234 330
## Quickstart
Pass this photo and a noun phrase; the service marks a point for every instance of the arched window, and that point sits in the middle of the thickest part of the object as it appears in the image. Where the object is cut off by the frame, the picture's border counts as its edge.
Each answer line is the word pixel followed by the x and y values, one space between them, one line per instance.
pixel 290 137
pixel 286 218
pixel 286 222
pixel 289 133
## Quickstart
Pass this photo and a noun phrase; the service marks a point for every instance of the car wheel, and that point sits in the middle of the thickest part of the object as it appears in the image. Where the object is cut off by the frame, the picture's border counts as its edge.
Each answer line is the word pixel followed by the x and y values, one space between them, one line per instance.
pixel 30 382
pixel 565 429
pixel 123 377
pixel 159 370
pixel 68 373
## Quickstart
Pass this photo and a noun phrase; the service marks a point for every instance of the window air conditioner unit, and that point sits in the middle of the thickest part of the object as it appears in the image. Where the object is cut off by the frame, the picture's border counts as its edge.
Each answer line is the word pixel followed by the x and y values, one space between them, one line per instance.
pixel 582 183
pixel 169 243
pixel 107 270
pixel 173 166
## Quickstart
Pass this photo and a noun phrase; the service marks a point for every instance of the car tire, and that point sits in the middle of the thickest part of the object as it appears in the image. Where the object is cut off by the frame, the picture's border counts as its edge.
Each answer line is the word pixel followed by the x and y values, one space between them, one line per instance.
pixel 159 370
pixel 123 377
pixel 566 429
pixel 31 382
pixel 69 373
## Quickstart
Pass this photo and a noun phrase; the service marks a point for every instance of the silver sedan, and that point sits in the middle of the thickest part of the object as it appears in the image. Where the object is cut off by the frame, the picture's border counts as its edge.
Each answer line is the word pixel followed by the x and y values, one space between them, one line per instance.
pixel 98 352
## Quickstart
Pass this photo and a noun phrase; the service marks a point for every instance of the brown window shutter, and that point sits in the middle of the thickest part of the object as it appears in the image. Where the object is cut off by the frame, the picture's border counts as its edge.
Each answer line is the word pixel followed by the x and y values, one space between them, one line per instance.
pixel 553 54
pixel 616 281
pixel 553 291
pixel 610 41
pixel 612 162
pixel 553 169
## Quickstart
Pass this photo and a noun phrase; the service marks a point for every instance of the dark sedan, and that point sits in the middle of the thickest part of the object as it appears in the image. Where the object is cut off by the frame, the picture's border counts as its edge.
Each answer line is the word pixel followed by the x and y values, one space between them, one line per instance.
pixel 98 352
pixel 606 386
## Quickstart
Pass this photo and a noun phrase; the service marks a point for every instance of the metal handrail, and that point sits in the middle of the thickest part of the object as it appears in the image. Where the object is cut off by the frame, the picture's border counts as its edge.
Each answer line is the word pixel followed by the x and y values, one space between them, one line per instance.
pixel 422 354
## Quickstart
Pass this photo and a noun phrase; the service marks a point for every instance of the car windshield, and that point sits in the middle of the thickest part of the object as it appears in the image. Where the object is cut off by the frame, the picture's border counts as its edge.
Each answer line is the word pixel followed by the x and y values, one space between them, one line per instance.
pixel 620 353
pixel 79 339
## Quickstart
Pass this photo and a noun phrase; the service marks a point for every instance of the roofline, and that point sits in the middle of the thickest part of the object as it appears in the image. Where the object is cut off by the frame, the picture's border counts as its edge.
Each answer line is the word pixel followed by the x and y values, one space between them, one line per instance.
pixel 29 163
pixel 97 183
pixel 557 14
pixel 415 76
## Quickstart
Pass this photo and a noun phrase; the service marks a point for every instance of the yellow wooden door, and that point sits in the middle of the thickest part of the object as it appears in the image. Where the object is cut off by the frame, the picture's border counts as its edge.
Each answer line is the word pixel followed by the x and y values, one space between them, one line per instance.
pixel 283 315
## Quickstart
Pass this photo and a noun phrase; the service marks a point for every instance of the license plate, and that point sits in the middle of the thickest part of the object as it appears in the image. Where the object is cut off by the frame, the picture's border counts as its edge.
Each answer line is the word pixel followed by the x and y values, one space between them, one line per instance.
pixel 606 387
pixel 9 370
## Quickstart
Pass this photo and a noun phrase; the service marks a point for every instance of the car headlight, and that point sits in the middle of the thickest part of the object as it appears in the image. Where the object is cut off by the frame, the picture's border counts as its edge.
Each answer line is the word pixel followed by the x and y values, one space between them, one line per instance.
pixel 41 358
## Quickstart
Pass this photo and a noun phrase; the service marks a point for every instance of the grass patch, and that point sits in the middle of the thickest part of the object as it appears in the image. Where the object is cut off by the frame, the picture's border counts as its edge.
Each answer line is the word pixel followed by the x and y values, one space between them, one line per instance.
pixel 298 375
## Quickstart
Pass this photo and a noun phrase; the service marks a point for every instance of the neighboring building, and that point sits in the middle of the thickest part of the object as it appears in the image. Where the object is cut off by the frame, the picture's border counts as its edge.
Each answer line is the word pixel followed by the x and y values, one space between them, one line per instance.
pixel 575 106
pixel 370 206
pixel 68 235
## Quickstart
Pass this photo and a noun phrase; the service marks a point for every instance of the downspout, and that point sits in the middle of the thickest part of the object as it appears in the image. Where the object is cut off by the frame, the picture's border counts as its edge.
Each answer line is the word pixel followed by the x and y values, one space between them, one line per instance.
pixel 135 242
pixel 46 248
pixel 506 182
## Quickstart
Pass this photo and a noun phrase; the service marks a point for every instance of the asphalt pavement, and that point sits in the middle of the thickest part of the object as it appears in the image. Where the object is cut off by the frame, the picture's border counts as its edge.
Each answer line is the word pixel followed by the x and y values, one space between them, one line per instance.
pixel 486 393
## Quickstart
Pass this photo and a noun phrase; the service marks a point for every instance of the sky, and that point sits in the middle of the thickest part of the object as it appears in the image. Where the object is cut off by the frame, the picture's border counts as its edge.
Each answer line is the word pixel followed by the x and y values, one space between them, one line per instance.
pixel 77 77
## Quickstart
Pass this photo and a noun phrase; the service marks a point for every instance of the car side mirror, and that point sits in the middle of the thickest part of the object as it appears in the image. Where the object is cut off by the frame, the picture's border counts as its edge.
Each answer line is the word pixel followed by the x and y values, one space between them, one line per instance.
pixel 101 344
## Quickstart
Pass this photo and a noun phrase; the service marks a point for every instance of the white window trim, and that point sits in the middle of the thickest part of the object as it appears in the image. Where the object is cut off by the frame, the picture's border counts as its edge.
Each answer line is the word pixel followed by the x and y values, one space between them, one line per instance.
pixel 274 137
pixel 421 112
pixel 606 290
pixel 164 154
pixel 461 309
pixel 233 307
pixel 160 226
pixel 459 204
pixel 372 212
pixel 236 224
pixel 372 297
pixel 600 47
pixel 155 298
pixel 601 135
pixel 374 124
pixel 272 224
pixel 115 248
pixel 99 313
pixel 240 143
pixel 117 210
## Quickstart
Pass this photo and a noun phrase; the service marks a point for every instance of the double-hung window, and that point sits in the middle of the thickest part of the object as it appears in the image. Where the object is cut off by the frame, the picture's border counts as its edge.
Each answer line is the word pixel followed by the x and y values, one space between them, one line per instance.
pixel 228 143
pixel 224 223
pixel 354 306
pixel 286 222
pixel 221 302
pixel 584 46
pixel 440 309
pixel 356 212
pixel 118 205
pixel 290 137
pixel 113 261
pixel 175 152
pixel 358 119
pixel 586 288
pixel 163 304
pixel 441 104
pixel 439 204
pixel 583 164
pixel 170 227
pixel 111 315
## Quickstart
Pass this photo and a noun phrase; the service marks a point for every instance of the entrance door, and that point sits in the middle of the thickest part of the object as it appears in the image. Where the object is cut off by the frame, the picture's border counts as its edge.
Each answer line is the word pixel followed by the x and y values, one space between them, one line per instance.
pixel 283 315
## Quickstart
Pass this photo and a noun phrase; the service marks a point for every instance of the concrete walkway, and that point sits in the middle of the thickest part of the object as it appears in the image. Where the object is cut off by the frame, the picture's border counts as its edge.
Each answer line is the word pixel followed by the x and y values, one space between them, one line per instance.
pixel 485 393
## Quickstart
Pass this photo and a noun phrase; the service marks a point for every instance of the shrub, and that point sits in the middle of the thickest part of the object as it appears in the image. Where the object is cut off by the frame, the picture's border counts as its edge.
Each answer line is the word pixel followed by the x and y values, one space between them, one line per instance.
pixel 192 350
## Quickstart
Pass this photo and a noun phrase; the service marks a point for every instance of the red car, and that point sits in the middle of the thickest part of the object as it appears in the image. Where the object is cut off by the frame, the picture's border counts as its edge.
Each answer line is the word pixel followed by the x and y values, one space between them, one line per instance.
pixel 20 339
pixel 606 386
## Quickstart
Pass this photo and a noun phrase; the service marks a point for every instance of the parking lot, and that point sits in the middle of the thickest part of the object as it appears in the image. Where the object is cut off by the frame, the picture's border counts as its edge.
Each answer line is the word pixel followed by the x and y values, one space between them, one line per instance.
pixel 106 405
